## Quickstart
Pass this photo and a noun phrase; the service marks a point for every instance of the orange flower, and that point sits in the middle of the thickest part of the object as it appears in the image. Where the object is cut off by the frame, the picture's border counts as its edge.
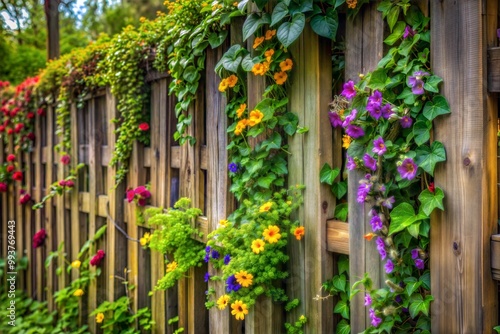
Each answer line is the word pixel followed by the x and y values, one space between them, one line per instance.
pixel 240 126
pixel 244 278
pixel 299 232
pixel 99 318
pixel 255 117
pixel 272 234
pixel 286 65
pixel 239 310
pixel 259 69
pixel 232 80
pixel 280 77
pixel 269 54
pixel 352 3
pixel 258 41
pixel 258 246
pixel 241 110
pixel 270 34
pixel 223 85
pixel 266 207
pixel 171 266
pixel 369 236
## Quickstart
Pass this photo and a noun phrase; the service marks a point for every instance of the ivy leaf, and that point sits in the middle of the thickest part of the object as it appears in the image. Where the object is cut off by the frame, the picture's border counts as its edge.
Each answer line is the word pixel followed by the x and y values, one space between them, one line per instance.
pixel 260 3
pixel 414 229
pixel 402 217
pixel 274 142
pixel 343 326
pixel 397 33
pixel 422 132
pixel 384 7
pixel 342 308
pixel 289 122
pixel 418 304
pixel 251 24
pixel 428 157
pixel 343 264
pixel 327 174
pixel 429 201
pixel 339 189
pixel 411 287
pixel 378 79
pixel 279 12
pixel 216 39
pixel 265 181
pixel 426 280
pixel 231 59
pixel 279 167
pixel 288 32
pixel 326 25
pixel 392 17
pixel 407 96
pixel 431 84
pixel 341 212
pixel 339 282
pixel 338 3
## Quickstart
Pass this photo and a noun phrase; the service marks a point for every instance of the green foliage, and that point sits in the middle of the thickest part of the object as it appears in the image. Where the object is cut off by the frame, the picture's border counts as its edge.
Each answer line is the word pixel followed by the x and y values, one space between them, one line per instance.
pixel 175 236
pixel 340 288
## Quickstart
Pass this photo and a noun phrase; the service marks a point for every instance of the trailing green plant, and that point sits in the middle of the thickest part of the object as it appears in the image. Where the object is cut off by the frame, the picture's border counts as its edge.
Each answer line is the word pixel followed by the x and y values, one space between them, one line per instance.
pixel 174 235
pixel 388 114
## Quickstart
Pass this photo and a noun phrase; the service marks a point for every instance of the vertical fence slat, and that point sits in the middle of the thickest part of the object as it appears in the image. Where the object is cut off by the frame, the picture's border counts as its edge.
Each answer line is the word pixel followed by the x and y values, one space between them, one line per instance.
pixel 73 196
pixel 37 194
pixel 21 224
pixel 28 221
pixel 49 208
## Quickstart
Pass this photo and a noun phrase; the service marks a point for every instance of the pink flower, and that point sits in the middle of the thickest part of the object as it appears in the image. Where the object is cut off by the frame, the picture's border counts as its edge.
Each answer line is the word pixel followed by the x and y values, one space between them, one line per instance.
pixel 97 259
pixel 62 183
pixel 31 136
pixel 408 169
pixel 144 126
pixel 39 238
pixel 10 168
pixel 11 157
pixel 130 195
pixel 41 112
pixel 19 127
pixel 30 115
pixel 18 176
pixel 65 159
pixel 348 90
pixel 70 184
pixel 3 187
pixel 143 192
pixel 24 198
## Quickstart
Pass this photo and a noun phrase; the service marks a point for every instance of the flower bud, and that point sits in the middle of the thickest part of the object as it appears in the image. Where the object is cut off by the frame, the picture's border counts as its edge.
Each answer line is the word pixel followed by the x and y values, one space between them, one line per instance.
pixel 394 286
pixel 389 310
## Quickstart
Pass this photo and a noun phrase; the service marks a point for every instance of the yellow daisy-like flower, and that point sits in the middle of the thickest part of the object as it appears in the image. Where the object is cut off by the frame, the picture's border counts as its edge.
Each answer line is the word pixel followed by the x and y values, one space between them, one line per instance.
pixel 76 264
pixel 259 69
pixel 239 310
pixel 222 302
pixel 240 126
pixel 258 246
pixel 255 117
pixel 346 141
pixel 269 54
pixel 270 34
pixel 299 232
pixel 171 266
pixel 223 222
pixel 257 41
pixel 244 278
pixel 280 77
pixel 241 110
pixel 266 207
pixel 272 234
pixel 99 317
pixel 232 80
pixel 223 85
pixel 286 65
pixel 78 293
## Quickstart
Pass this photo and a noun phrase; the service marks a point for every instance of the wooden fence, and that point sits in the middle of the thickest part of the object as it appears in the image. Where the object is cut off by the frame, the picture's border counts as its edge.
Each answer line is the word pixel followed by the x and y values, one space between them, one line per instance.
pixel 460 236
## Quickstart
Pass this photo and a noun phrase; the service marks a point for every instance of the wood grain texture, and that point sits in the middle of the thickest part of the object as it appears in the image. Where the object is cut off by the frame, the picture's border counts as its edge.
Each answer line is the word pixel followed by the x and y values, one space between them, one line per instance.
pixel 465 298
pixel 337 236
pixel 37 195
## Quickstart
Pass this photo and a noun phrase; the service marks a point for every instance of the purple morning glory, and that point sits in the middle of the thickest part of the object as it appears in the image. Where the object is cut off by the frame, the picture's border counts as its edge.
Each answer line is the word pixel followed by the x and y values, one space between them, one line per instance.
pixel 388 202
pixel 379 146
pixel 215 254
pixel 363 191
pixel 349 118
pixel 389 266
pixel 374 106
pixel 207 253
pixel 376 223
pixel 375 98
pixel 370 162
pixel 355 131
pixel 232 284
pixel 406 121
pixel 419 263
pixel 409 32
pixel 348 90
pixel 398 299
pixel 381 248
pixel 408 169
pixel 233 168
pixel 375 320
pixel 351 164
pixel 416 83
pixel 368 300
pixel 207 276
pixel 414 253
pixel 335 119
pixel 387 111
pixel 227 258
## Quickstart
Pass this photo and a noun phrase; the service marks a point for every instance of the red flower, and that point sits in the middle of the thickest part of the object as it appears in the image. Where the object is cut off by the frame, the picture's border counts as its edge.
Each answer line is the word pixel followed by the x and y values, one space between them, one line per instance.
pixel 96 259
pixel 10 131
pixel 19 127
pixel 30 115
pixel 65 159
pixel 144 126
pixel 18 176
pixel 11 157
pixel 31 136
pixel 41 111
pixel 62 183
pixel 70 184
pixel 130 195
pixel 431 187
pixel 24 198
pixel 2 128
pixel 10 168
pixel 39 238
pixel 3 187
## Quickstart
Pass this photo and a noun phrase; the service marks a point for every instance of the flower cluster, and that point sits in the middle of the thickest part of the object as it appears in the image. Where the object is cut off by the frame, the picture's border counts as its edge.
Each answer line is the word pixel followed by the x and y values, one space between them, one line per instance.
pixel 138 195
pixel 39 238
pixel 145 239
pixel 97 258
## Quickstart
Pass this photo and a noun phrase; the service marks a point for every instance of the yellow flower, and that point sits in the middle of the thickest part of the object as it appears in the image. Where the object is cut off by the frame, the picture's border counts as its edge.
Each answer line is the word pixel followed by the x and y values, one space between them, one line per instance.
pixel 270 34
pixel 76 264
pixel 241 110
pixel 142 19
pixel 222 302
pixel 239 310
pixel 232 80
pixel 255 117
pixel 280 77
pixel 266 207
pixel 223 222
pixel 299 232
pixel 223 85
pixel 346 141
pixel 286 65
pixel 145 239
pixel 272 234
pixel 99 317
pixel 244 278
pixel 240 126
pixel 258 246
pixel 258 41
pixel 302 318
pixel 289 202
pixel 269 54
pixel 235 4
pixel 171 266
pixel 259 69
pixel 78 293
pixel 352 3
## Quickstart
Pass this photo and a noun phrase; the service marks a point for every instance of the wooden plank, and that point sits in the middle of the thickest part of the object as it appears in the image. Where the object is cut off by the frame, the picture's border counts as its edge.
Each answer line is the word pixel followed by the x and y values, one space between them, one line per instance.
pixel 74 196
pixel 37 194
pixel 465 296
pixel 105 155
pixel 147 157
pixel 115 241
pixel 204 157
pixel 21 223
pixel 4 212
pixel 495 256
pixel 28 217
pixel 175 157
pixel 364 47
pixel 337 236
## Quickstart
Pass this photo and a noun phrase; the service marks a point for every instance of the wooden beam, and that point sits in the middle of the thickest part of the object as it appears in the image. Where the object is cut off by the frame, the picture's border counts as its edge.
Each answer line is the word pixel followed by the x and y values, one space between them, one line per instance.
pixel 337 235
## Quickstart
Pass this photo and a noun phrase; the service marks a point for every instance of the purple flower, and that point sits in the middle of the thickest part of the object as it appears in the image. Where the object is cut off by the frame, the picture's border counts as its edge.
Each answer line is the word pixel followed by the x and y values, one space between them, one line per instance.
pixel 208 249
pixel 368 176
pixel 348 90
pixel 335 119
pixel 398 299
pixel 387 111
pixel 414 253
pixel 419 263
pixel 207 276
pixel 416 83
pixel 375 98
pixel 215 254
pixel 379 146
pixel 381 248
pixel 374 110
pixel 207 253
pixel 349 118
pixel 389 266
pixel 227 258
pixel 370 162
pixel 368 300
pixel 232 284
pixel 363 191
pixel 408 169
pixel 376 223
pixel 406 121
pixel 388 202
pixel 375 320
pixel 355 131
pixel 351 164
pixel 233 168
pixel 409 32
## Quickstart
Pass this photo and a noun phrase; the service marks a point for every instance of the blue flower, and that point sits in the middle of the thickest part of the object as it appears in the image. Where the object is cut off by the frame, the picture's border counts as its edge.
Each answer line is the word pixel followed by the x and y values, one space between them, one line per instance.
pixel 207 276
pixel 232 284
pixel 233 168
pixel 227 258
pixel 215 254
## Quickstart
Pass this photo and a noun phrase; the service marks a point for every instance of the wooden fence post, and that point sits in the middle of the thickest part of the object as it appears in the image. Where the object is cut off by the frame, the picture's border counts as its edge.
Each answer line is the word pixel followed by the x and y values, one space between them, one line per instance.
pixel 465 296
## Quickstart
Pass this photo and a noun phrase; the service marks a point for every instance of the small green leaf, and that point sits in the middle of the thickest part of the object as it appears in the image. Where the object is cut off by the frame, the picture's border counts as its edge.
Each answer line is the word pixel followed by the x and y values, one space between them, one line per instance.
pixel 422 132
pixel 402 217
pixel 288 32
pixel 216 39
pixel 327 174
pixel 431 84
pixel 339 189
pixel 428 157
pixel 429 201
pixel 392 17
pixel 378 79
pixel 343 327
pixel 342 308
pixel 339 282
pixel 265 181
pixel 100 232
pixel 396 34
pixel 251 24
pixel 438 106
pixel 279 12
pixel 418 304
pixel 326 25
pixel 341 212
